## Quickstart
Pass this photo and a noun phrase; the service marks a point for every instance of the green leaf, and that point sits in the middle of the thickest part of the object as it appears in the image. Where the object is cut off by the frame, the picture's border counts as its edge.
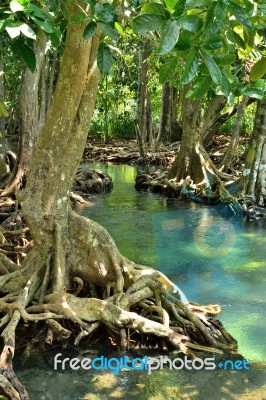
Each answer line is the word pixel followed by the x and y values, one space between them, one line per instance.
pixel 108 31
pixel 25 52
pixel 210 15
pixel 119 28
pixel 55 38
pixel 169 36
pixel 167 70
pixel 221 10
pixel 170 4
pixel 185 41
pixel 153 8
pixel 105 12
pixel 3 110
pixel 212 43
pixel 27 31
pixel 258 70
pixel 213 68
pixel 104 58
pixel 200 87
pixel 225 85
pixel 179 8
pixel 45 25
pixel 191 23
pixel 147 22
pixel 15 6
pixel 78 18
pixel 190 68
pixel 236 38
pixel 253 91
pixel 239 13
pixel 225 59
pixel 90 30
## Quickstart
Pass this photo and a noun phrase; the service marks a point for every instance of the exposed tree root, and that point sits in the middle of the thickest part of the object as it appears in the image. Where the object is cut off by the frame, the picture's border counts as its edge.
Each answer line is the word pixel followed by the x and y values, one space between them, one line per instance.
pixel 207 188
pixel 85 281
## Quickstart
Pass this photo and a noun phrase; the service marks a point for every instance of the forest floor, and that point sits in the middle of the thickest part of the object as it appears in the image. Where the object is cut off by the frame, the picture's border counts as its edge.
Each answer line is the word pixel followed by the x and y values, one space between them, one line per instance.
pixel 127 152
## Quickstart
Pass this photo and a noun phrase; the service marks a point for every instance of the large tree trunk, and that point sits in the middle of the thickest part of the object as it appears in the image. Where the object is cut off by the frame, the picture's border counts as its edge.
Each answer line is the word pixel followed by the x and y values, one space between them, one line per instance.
pixel 253 181
pixel 188 160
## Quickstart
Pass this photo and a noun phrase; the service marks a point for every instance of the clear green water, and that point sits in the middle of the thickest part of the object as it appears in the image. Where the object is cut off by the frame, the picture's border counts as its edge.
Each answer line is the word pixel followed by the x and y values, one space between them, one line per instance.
pixel 214 257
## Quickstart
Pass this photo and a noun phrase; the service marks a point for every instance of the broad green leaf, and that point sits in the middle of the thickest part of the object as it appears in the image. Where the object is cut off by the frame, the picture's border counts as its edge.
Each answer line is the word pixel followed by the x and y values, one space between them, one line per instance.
pixel 169 36
pixel 27 31
pixel 15 6
pixel 42 23
pixel 235 38
pixel 108 31
pixel 221 10
pixel 147 22
pixel 3 110
pixel 225 85
pixel 212 43
pixel 105 12
pixel 167 70
pixel 78 18
pixel 55 38
pixel 253 91
pixel 191 23
pixel 153 8
pixel 170 4
pixel 225 59
pixel 200 87
pixel 190 67
pixel 90 30
pixel 210 15
pixel 185 41
pixel 179 8
pixel 239 13
pixel 213 68
pixel 104 58
pixel 258 70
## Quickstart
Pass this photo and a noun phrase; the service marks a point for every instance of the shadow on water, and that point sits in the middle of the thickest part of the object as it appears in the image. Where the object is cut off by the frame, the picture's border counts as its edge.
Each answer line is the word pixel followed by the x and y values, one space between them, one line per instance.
pixel 214 256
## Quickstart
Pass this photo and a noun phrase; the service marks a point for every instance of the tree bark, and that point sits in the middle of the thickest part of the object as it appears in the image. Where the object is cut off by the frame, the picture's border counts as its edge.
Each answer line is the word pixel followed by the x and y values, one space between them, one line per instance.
pixel 188 160
pixel 231 152
pixel 29 120
pixel 253 181
pixel 143 117
pixel 169 130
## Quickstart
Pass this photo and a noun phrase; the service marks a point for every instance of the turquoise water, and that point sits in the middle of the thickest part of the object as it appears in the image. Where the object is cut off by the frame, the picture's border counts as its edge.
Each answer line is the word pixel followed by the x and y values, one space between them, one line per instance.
pixel 214 256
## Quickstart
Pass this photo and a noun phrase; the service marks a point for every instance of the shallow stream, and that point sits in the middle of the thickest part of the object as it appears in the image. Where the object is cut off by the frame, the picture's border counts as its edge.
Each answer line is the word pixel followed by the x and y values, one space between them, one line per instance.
pixel 214 256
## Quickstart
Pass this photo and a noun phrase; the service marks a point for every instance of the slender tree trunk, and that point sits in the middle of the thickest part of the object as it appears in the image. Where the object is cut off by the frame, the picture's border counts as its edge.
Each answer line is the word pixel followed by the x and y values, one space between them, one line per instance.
pixel 253 181
pixel 29 120
pixel 231 152
pixel 2 119
pixel 169 129
pixel 143 118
